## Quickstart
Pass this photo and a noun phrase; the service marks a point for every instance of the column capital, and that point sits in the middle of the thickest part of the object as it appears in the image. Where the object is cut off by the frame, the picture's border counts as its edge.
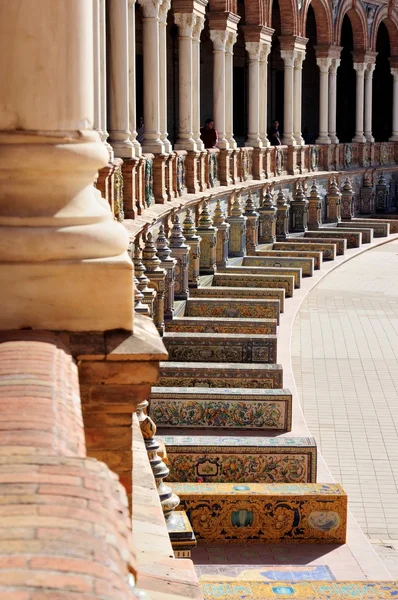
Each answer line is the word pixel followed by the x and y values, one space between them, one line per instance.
pixel 360 67
pixel 150 8
pixel 324 64
pixel 298 61
pixel 198 27
pixel 288 57
pixel 163 10
pixel 394 73
pixel 219 39
pixel 370 67
pixel 254 50
pixel 231 41
pixel 186 23
pixel 265 51
pixel 334 65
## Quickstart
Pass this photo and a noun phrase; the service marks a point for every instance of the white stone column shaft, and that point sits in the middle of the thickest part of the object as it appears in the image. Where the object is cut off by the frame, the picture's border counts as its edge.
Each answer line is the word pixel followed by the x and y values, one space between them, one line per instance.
pixel 266 48
pixel 163 11
pixel 360 70
pixel 199 24
pixel 368 101
pixel 219 39
pixel 97 62
pixel 394 137
pixel 254 51
pixel 298 97
pixel 50 157
pixel 288 57
pixel 333 99
pixel 152 142
pixel 132 80
pixel 324 65
pixel 119 133
pixel 103 80
pixel 185 23
pixel 229 89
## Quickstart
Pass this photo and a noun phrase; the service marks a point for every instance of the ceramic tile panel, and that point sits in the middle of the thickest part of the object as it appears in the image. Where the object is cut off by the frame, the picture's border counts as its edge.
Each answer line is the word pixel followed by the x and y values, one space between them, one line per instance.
pixel 220 325
pixel 216 291
pixel 329 250
pixel 233 408
pixel 351 239
pixel 393 222
pixel 367 231
pixel 285 282
pixel 306 264
pixel 233 308
pixel 257 513
pixel 264 573
pixel 317 256
pixel 296 273
pixel 380 228
pixel 220 375
pixel 250 459
pixel 302 590
pixel 221 347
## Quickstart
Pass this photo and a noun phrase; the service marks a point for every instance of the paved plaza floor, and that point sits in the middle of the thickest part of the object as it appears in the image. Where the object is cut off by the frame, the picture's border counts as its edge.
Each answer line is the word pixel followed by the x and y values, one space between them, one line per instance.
pixel 345 361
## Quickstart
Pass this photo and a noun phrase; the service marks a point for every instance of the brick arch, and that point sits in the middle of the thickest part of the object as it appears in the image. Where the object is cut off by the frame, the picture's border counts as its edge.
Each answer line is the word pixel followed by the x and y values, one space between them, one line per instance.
pixel 359 24
pixel 289 16
pixel 323 18
pixel 255 12
pixel 390 21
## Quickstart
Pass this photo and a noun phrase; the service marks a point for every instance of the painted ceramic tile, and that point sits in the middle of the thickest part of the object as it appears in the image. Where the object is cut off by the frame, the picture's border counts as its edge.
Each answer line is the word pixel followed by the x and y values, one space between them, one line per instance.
pixel 379 229
pixel 305 264
pixel 235 408
pixel 317 256
pixel 367 234
pixel 296 273
pixel 223 307
pixel 265 573
pixel 217 291
pixel 242 280
pixel 182 374
pixel 299 243
pixel 339 241
pixel 220 325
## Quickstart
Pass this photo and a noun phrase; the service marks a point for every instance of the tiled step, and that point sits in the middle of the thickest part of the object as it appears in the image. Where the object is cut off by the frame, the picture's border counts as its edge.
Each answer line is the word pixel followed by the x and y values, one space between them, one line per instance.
pixel 221 347
pixel 305 264
pixel 232 308
pixel 328 249
pixel 352 239
pixel 339 242
pixel 367 232
pixel 392 221
pixel 216 459
pixel 380 229
pixel 238 408
pixel 296 273
pixel 261 513
pixel 220 325
pixel 255 293
pixel 317 256
pixel 302 590
pixel 220 375
pixel 285 282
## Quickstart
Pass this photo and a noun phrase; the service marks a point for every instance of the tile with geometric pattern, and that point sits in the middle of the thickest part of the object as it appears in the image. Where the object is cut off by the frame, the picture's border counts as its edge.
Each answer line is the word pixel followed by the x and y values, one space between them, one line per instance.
pixel 254 293
pixel 295 272
pixel 299 243
pixel 305 264
pixel 222 325
pixel 285 282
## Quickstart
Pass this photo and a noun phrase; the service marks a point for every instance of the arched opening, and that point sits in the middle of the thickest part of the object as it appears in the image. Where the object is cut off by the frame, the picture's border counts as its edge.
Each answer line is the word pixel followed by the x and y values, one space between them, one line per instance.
pixel 310 101
pixel 275 72
pixel 206 75
pixel 240 79
pixel 346 85
pixel 382 82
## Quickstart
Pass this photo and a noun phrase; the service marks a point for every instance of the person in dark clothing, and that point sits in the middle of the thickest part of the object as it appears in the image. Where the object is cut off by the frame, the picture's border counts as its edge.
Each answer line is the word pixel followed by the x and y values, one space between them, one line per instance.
pixel 208 134
pixel 274 136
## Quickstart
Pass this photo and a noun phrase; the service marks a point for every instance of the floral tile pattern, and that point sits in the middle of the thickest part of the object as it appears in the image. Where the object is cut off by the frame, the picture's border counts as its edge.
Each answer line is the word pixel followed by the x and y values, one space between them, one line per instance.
pixel 328 249
pixel 295 272
pixel 317 256
pixel 217 291
pixel 305 264
pixel 225 307
pixel 222 325
pixel 269 281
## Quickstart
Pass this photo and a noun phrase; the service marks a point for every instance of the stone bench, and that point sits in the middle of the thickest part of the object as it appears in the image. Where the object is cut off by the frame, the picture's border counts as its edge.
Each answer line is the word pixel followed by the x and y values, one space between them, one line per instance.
pixel 329 250
pixel 317 256
pixel 392 221
pixel 285 282
pixel 339 242
pixel 255 293
pixel 367 232
pixel 265 513
pixel 227 307
pixel 296 273
pixel 237 408
pixel 221 347
pixel 220 375
pixel 343 239
pixel 380 228
pixel 216 459
pixel 305 264
pixel 220 325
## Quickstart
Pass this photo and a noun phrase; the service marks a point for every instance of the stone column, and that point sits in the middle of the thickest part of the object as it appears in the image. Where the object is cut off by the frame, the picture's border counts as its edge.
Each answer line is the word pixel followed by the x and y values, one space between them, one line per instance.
pixel 332 99
pixel 132 80
pixel 394 137
pixel 186 23
pixel 298 94
pixel 265 50
pixel 254 51
pixel 97 61
pixel 50 157
pixel 219 39
pixel 360 70
pixel 103 77
pixel 119 133
pixel 229 88
pixel 370 67
pixel 323 63
pixel 199 24
pixel 164 136
pixel 288 56
pixel 152 142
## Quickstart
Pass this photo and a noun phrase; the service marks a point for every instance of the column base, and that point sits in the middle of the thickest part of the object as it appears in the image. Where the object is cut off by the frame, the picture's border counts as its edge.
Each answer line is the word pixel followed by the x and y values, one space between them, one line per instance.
pixel 288 140
pixel 188 144
pixel 394 137
pixel 299 139
pixel 359 139
pixel 323 139
pixel 333 138
pixel 253 142
pixel 369 138
pixel 123 149
pixel 153 147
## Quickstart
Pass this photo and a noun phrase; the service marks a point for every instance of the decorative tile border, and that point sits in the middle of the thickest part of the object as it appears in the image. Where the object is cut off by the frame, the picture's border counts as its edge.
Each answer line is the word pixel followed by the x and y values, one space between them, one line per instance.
pixel 380 229
pixel 329 250
pixel 222 325
pixel 317 256
pixel 335 238
pixel 306 264
pixel 255 293
pixel 296 273
pixel 242 280
pixel 224 307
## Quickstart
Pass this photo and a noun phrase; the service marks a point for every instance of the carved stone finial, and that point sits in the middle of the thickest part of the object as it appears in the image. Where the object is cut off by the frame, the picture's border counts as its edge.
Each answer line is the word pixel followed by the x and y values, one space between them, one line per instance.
pixel 162 244
pixel 236 207
pixel 249 206
pixel 149 254
pixel 176 238
pixel 205 221
pixel 219 215
pixel 299 195
pixel 189 229
pixel 281 198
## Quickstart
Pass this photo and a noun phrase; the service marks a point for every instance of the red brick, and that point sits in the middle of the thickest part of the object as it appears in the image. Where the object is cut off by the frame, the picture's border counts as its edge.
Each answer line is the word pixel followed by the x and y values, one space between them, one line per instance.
pixel 13 562
pixel 68 490
pixel 47 579
pixel 70 565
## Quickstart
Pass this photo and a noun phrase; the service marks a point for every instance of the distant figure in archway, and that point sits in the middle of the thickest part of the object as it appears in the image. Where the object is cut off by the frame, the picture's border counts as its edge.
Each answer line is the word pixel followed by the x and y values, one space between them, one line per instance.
pixel 208 134
pixel 307 135
pixel 274 135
